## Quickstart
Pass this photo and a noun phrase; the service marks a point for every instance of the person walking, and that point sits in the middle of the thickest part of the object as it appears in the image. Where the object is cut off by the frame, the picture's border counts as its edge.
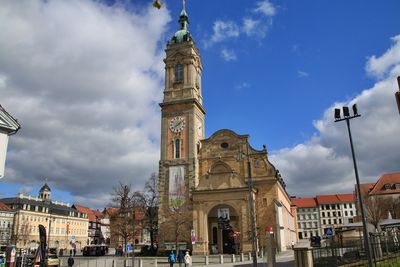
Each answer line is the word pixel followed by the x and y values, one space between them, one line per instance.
pixel 70 261
pixel 180 258
pixel 171 258
pixel 187 259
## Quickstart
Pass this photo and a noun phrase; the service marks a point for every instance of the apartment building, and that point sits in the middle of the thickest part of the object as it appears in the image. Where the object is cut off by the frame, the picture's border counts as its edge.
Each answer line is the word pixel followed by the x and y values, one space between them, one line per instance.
pixel 64 225
pixel 336 210
pixel 308 221
pixel 318 214
pixel 6 224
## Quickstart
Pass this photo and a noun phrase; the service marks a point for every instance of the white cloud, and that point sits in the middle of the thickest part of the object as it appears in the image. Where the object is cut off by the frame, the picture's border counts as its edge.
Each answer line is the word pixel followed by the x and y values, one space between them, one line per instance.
pixel 223 30
pixel 255 26
pixel 250 26
pixel 327 155
pixel 266 8
pixel 84 80
pixel 243 85
pixel 228 54
pixel 302 74
pixel 378 66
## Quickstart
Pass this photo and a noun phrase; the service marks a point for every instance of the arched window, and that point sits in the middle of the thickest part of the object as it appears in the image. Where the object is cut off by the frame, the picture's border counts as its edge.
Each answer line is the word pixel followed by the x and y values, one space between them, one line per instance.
pixel 177 149
pixel 178 72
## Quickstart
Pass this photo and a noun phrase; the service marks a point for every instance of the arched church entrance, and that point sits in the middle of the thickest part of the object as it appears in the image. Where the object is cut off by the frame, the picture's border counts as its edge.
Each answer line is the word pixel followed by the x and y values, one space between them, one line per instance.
pixel 223 226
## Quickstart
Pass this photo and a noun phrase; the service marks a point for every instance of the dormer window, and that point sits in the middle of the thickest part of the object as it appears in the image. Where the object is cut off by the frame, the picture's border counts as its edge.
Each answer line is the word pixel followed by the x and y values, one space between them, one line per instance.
pixel 397 186
pixel 387 186
pixel 178 72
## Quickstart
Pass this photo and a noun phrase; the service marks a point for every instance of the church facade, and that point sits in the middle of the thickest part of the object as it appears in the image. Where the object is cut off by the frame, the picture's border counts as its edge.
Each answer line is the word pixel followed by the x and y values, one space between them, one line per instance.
pixel 206 187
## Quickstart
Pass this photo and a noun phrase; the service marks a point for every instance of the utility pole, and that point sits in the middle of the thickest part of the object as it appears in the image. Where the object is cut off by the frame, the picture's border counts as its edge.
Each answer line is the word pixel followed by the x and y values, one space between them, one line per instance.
pixel 347 118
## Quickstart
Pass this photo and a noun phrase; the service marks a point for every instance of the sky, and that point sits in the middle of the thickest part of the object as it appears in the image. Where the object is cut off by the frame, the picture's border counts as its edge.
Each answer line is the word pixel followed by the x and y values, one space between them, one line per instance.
pixel 84 79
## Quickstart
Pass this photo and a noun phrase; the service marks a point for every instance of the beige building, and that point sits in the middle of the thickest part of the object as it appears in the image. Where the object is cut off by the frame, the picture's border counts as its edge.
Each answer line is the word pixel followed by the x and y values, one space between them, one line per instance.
pixel 204 191
pixel 64 225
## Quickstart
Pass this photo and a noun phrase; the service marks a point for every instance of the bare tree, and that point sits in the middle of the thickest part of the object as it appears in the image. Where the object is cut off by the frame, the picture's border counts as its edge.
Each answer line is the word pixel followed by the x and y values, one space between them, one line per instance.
pixel 21 233
pixel 394 207
pixel 179 218
pixel 376 209
pixel 148 200
pixel 122 222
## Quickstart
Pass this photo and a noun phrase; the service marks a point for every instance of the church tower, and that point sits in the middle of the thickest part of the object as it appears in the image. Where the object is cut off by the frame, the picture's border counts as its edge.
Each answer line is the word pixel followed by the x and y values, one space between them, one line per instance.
pixel 182 128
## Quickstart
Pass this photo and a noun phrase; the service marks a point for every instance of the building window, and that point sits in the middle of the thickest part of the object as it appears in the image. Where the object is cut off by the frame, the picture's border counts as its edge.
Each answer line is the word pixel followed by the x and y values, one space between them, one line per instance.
pixel 350 205
pixel 345 213
pixel 351 221
pixel 177 149
pixel 340 221
pixel 333 206
pixel 351 213
pixel 329 214
pixel 299 225
pixel 329 221
pixel 323 214
pixel 323 221
pixel 334 221
pixel 334 214
pixel 178 72
pixel 345 205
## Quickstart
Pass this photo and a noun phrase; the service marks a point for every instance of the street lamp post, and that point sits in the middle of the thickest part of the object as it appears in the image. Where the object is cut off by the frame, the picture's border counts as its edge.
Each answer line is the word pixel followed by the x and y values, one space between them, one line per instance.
pixel 347 118
pixel 252 213
pixel 48 235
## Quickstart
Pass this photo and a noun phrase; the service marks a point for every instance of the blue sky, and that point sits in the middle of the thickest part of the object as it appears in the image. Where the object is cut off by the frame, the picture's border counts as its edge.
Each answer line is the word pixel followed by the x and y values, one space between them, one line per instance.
pixel 92 72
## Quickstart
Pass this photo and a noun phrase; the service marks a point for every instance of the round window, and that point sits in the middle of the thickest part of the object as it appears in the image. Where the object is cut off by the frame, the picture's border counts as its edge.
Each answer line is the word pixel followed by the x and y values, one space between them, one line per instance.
pixel 224 145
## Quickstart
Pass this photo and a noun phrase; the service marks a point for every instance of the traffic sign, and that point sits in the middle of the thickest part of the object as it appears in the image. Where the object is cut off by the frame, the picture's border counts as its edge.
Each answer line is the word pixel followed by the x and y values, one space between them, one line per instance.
pixel 328 231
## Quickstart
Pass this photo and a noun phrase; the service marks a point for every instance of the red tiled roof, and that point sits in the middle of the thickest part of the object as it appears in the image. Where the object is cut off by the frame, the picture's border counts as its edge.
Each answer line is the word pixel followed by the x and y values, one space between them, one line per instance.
pixel 4 207
pixel 365 188
pixel 304 202
pixel 86 210
pixel 338 198
pixel 346 197
pixel 389 178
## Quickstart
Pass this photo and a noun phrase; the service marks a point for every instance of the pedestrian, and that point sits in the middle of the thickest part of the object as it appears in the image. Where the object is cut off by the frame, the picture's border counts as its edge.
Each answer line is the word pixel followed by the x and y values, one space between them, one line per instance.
pixel 171 259
pixel 70 261
pixel 180 258
pixel 187 259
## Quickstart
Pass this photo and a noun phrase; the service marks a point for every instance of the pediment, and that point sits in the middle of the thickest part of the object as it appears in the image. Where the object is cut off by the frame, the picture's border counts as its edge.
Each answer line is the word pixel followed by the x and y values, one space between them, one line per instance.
pixel 7 122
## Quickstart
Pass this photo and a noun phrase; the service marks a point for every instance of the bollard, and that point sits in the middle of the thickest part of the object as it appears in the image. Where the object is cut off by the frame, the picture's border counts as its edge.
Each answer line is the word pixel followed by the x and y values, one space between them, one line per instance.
pixel 241 256
pixel 221 259
pixel 233 258
pixel 113 263
pixel 249 256
pixel 140 263
pixel 155 262
pixel 207 261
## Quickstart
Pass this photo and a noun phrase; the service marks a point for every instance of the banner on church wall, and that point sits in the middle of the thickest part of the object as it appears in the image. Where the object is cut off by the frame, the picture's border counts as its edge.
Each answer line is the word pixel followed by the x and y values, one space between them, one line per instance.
pixel 176 186
pixel 223 214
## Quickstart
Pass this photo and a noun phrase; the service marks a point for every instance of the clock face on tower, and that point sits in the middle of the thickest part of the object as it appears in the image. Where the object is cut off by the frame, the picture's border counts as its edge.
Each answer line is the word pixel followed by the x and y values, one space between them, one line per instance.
pixel 177 124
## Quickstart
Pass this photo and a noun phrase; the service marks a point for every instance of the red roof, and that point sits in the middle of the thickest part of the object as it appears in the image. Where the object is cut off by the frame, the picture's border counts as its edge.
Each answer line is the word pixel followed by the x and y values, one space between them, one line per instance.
pixel 390 179
pixel 365 188
pixel 346 197
pixel 338 198
pixel 4 207
pixel 90 213
pixel 304 202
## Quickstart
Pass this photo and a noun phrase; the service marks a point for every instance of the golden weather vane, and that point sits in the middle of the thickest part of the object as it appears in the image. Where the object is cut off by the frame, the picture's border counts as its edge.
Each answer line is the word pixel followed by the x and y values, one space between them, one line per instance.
pixel 157 4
